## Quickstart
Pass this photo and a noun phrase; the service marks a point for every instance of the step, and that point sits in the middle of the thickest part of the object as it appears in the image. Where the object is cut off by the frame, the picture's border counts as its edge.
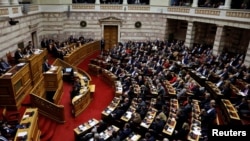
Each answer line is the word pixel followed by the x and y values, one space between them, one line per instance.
pixel 49 132
pixel 44 125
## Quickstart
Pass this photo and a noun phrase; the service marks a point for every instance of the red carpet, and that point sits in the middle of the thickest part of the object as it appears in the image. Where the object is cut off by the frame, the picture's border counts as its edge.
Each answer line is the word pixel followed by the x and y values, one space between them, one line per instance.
pixel 102 97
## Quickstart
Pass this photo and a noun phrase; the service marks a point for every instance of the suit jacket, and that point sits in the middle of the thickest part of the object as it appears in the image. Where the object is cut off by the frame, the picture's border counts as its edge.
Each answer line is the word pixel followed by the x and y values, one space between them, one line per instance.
pixel 102 44
pixel 4 65
pixel 124 133
pixel 46 67
pixel 209 117
pixel 18 55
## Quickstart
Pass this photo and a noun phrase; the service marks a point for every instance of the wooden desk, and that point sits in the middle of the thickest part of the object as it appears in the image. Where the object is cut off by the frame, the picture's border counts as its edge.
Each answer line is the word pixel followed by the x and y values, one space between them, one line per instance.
pixel 94 69
pixel 171 122
pixel 118 88
pixel 29 130
pixel 85 127
pixel 109 77
pixel 171 90
pixel 81 101
pixel 170 126
pixel 195 128
pixel 149 118
pixel 126 117
pixel 152 87
pixel 133 137
pixel 197 77
pixel 231 115
pixel 106 134
pixel 76 55
pixel 15 85
pixel 35 62
pixel 213 89
pixel 112 106
pixel 53 78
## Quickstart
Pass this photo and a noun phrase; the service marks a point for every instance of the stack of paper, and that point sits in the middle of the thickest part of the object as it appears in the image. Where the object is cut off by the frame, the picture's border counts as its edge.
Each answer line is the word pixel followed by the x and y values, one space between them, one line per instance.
pixel 22 134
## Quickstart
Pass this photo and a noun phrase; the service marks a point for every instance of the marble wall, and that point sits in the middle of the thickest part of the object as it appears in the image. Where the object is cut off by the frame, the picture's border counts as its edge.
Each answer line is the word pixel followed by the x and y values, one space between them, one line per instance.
pixel 59 26
pixel 11 35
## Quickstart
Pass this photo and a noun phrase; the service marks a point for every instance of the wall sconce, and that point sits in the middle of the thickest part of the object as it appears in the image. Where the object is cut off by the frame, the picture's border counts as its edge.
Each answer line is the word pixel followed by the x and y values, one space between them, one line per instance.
pixel 13 22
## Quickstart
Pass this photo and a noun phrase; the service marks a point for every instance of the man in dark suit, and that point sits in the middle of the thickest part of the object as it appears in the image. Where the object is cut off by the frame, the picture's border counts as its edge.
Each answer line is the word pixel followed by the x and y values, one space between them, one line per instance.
pixel 125 131
pixel 4 65
pixel 102 45
pixel 18 55
pixel 208 116
pixel 46 65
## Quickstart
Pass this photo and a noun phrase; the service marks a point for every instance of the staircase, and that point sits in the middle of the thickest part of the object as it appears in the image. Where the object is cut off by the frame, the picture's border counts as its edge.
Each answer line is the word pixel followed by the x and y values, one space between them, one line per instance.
pixel 47 127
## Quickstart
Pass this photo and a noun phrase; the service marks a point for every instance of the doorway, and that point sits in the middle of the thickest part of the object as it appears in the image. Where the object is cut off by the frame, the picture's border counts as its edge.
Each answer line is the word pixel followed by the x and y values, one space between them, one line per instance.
pixel 110 36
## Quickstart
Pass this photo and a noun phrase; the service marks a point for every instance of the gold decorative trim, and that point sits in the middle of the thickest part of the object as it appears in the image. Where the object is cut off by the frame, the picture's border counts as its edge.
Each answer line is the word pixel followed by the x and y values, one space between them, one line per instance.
pixel 83 6
pixel 110 19
pixel 4 11
pixel 207 12
pixel 139 8
pixel 238 14
pixel 111 7
pixel 178 9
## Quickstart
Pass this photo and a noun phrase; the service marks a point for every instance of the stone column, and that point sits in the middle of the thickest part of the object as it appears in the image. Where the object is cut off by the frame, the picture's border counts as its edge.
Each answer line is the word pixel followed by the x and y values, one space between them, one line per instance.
pixel 227 4
pixel 14 2
pixel 125 2
pixel 4 2
pixel 190 35
pixel 97 1
pixel 219 40
pixel 195 3
pixel 247 58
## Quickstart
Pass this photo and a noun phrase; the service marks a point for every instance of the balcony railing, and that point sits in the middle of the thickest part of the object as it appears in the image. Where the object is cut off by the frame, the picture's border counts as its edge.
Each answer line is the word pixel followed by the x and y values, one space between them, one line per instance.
pixel 225 14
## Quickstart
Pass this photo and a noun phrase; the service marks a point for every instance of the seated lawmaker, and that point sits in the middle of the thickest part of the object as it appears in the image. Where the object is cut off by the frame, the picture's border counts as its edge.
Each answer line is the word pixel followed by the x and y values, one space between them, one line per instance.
pixel 75 91
pixel 18 55
pixel 125 131
pixel 46 65
pixel 4 65
pixel 77 83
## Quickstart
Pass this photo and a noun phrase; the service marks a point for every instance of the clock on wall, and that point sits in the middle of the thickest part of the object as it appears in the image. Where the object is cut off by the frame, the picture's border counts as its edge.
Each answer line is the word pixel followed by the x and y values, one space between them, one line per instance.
pixel 83 23
pixel 138 24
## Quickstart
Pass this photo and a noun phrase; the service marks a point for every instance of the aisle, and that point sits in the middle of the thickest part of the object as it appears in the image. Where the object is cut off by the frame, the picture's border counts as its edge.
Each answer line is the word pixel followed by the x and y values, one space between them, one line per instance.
pixel 102 97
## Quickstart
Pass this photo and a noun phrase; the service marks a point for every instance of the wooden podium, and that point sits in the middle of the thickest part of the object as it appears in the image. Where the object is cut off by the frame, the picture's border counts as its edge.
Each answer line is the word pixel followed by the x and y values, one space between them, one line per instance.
pixel 28 128
pixel 14 86
pixel 53 80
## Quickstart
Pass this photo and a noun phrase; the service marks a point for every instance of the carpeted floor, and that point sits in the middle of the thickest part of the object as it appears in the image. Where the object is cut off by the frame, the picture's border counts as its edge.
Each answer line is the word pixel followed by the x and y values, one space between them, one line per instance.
pixel 102 97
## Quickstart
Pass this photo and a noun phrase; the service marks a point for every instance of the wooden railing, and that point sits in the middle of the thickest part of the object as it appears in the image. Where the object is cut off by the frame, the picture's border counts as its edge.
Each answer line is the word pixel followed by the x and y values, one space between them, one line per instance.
pixel 79 53
pixel 58 94
pixel 48 109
